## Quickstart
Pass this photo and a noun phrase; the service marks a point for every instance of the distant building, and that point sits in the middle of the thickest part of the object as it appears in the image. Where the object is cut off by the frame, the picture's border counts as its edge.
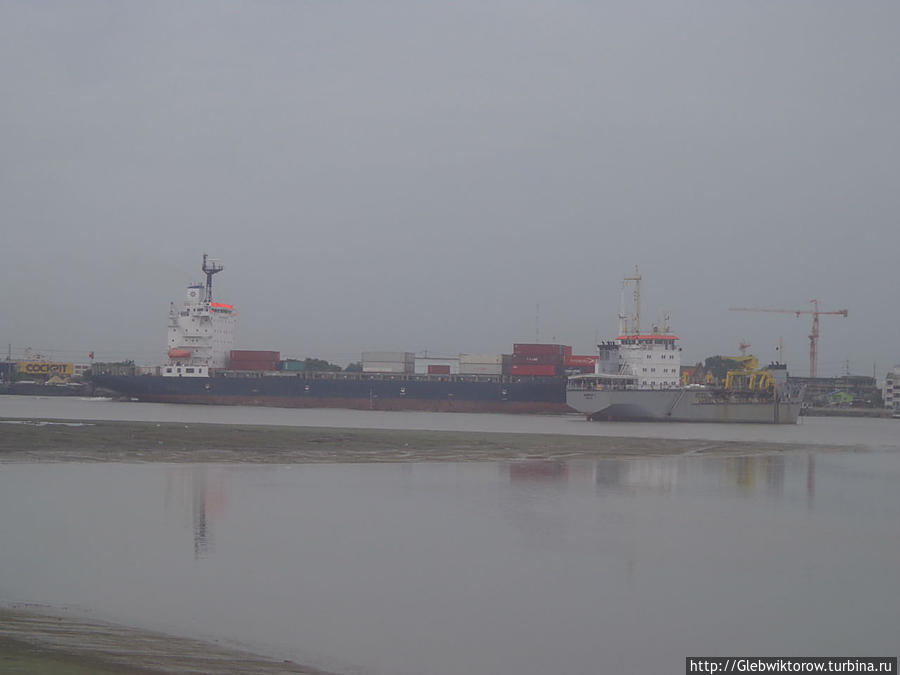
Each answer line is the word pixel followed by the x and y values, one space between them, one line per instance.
pixel 892 389
pixel 859 391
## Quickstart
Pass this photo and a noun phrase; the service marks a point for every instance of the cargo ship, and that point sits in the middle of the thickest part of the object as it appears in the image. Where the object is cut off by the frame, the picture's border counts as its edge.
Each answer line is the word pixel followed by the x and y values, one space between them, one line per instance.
pixel 635 377
pixel 638 378
pixel 203 367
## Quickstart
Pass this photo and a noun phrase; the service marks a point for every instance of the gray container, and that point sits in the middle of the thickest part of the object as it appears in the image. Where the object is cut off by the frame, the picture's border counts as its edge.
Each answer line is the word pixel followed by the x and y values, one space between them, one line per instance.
pixel 481 358
pixel 387 367
pixel 389 357
pixel 480 369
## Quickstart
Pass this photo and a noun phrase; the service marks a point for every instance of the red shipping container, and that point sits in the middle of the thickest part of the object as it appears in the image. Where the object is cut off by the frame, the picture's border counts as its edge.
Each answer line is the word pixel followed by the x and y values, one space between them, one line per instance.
pixel 535 349
pixel 252 364
pixel 438 370
pixel 586 360
pixel 544 371
pixel 537 359
pixel 254 355
pixel 567 351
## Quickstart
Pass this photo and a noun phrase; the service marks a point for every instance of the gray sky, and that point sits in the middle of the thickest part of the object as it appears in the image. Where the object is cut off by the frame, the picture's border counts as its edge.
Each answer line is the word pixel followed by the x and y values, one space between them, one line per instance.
pixel 409 175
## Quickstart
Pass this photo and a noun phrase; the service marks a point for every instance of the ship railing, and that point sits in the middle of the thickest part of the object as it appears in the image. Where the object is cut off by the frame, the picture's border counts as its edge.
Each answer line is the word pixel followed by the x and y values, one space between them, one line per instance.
pixel 384 377
pixel 601 383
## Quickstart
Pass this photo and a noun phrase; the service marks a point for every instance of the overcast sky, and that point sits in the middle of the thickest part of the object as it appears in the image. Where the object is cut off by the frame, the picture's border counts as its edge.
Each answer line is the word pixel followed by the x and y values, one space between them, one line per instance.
pixel 423 175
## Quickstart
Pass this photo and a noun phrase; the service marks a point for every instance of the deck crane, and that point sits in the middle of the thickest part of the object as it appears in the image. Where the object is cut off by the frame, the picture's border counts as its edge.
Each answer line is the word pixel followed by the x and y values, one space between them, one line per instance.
pixel 814 333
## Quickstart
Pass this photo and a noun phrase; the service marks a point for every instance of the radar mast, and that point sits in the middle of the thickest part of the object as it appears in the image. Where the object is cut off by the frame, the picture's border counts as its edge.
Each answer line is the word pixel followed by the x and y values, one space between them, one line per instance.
pixel 210 267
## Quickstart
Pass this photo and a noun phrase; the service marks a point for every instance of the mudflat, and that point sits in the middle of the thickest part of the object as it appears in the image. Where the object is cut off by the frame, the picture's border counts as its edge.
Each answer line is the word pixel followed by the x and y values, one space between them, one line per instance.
pixel 31 440
pixel 54 643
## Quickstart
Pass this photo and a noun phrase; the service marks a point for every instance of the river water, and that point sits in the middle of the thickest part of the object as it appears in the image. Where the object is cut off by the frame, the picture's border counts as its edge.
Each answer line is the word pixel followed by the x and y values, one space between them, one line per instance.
pixel 873 433
pixel 525 568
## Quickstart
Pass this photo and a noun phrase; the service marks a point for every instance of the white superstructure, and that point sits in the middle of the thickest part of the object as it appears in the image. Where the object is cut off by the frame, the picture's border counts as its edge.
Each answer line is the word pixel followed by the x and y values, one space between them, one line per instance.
pixel 654 358
pixel 201 333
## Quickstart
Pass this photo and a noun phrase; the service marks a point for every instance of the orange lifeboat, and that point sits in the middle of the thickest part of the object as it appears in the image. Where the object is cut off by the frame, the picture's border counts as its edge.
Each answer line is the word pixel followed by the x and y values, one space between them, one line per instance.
pixel 179 353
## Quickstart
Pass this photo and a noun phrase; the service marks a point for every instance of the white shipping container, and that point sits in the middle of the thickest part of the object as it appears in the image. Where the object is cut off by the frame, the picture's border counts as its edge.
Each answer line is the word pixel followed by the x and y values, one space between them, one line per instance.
pixel 386 367
pixel 480 369
pixel 481 358
pixel 389 357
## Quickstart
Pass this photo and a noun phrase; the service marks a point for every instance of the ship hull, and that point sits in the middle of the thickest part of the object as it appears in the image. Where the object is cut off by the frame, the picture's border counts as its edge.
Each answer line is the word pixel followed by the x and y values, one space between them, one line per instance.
pixel 680 405
pixel 540 395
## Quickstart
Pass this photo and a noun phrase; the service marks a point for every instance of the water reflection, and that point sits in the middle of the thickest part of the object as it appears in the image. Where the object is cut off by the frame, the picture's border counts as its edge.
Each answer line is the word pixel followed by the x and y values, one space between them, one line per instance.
pixel 201 493
pixel 743 476
pixel 525 568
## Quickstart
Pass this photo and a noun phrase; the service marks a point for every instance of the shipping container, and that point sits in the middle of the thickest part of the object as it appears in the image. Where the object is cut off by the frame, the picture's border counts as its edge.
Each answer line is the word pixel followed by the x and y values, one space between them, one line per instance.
pixel 424 363
pixel 387 367
pixel 536 349
pixel 293 365
pixel 544 371
pixel 537 359
pixel 481 358
pixel 251 361
pixel 254 355
pixel 438 370
pixel 585 360
pixel 254 365
pixel 389 357
pixel 480 369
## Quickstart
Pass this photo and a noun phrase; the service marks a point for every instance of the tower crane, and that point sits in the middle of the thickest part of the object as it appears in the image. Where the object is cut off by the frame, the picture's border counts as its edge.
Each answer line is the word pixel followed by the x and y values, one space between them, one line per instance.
pixel 814 333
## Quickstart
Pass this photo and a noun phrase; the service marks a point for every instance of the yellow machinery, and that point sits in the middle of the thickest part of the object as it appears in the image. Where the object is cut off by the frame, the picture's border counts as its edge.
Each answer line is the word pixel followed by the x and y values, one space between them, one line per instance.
pixel 750 377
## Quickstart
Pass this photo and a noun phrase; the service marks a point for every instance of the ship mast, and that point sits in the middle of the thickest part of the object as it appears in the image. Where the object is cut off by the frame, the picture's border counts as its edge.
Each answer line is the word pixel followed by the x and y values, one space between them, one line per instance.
pixel 210 267
pixel 636 317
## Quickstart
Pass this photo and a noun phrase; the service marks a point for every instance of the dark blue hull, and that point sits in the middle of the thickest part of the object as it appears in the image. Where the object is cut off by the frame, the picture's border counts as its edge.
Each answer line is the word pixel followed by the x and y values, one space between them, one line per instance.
pixel 359 391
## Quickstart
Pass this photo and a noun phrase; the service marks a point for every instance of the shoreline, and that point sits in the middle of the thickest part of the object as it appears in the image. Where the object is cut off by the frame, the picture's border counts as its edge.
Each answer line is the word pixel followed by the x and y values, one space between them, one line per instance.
pixel 37 638
pixel 32 440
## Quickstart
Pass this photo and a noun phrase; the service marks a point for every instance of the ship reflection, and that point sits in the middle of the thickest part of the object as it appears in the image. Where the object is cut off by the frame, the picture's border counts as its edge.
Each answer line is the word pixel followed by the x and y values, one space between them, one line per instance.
pixel 201 493
pixel 769 475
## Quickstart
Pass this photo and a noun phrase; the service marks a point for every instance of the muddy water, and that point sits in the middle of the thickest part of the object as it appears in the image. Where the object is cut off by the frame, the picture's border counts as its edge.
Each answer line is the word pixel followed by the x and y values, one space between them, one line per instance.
pixel 615 565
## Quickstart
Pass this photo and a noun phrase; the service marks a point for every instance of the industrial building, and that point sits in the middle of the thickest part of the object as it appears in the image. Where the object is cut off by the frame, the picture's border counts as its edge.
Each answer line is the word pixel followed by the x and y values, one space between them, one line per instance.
pixel 891 390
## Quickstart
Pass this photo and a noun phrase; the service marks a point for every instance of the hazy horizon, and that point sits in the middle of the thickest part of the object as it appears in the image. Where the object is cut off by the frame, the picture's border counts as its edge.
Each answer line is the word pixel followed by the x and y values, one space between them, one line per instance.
pixel 400 176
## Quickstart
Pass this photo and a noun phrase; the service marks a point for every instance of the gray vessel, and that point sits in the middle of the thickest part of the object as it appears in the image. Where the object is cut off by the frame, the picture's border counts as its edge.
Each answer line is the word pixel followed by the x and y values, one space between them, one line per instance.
pixel 638 377
pixel 618 398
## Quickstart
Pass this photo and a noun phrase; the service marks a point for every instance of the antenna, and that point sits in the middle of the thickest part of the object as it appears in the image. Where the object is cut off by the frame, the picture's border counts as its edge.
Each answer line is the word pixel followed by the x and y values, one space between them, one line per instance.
pixel 210 267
